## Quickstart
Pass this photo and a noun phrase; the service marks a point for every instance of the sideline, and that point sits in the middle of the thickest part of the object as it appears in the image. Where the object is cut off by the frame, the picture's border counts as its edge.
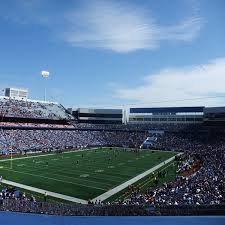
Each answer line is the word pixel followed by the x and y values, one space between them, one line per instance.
pixel 42 191
pixel 122 186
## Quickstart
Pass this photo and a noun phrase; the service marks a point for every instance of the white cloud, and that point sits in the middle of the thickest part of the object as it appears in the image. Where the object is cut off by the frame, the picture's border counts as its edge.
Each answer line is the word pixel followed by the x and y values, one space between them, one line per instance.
pixel 111 26
pixel 107 24
pixel 168 85
pixel 123 28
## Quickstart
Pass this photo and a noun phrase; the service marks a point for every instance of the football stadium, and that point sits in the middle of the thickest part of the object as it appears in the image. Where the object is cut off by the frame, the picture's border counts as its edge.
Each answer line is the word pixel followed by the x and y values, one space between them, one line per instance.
pixel 112 112
pixel 153 161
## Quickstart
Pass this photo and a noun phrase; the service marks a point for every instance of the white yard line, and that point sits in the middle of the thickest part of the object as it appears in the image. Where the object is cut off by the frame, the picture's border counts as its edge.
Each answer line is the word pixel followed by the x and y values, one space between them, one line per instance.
pixel 58 180
pixel 62 175
pixel 122 186
pixel 41 191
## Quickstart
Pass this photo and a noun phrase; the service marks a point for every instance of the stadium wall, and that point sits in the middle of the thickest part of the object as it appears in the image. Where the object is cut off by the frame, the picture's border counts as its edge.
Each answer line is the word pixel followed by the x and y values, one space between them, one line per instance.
pixel 98 116
pixel 214 116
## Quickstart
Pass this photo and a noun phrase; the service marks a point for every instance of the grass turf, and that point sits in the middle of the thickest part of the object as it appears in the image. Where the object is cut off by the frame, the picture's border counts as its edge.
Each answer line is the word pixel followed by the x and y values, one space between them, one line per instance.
pixel 148 182
pixel 83 177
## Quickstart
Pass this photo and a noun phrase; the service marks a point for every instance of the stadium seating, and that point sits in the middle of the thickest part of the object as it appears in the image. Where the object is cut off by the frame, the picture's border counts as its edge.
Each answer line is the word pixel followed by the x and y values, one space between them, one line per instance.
pixel 32 109
pixel 33 140
pixel 138 127
pixel 34 125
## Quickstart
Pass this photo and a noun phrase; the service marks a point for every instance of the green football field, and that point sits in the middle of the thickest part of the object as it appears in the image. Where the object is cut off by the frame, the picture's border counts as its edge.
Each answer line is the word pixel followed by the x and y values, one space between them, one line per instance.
pixel 81 174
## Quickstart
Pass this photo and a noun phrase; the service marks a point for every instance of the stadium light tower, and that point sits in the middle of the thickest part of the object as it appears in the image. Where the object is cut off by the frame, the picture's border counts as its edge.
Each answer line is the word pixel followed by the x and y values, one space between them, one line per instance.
pixel 45 75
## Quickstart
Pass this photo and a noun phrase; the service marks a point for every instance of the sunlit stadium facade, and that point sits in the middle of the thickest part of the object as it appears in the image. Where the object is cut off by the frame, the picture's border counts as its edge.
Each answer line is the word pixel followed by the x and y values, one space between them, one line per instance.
pixel 166 115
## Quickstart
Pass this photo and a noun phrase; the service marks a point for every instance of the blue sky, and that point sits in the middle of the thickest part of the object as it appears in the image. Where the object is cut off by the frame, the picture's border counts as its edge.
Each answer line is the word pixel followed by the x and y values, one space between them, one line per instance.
pixel 113 53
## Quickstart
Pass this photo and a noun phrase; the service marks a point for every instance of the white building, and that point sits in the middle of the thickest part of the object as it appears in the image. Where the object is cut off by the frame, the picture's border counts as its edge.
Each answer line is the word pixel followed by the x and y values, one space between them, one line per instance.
pixel 16 93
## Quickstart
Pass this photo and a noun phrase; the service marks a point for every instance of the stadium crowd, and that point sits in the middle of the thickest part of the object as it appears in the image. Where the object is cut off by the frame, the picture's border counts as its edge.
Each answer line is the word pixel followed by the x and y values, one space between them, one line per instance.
pixel 137 126
pixel 32 109
pixel 25 205
pixel 14 194
pixel 35 125
pixel 34 140
pixel 12 199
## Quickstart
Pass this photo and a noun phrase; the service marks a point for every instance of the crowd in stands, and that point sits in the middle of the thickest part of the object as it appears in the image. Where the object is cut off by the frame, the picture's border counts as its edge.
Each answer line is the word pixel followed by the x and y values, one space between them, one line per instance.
pixel 171 127
pixel 32 109
pixel 25 205
pixel 186 165
pixel 35 125
pixel 112 127
pixel 32 140
pixel 12 193
pixel 12 199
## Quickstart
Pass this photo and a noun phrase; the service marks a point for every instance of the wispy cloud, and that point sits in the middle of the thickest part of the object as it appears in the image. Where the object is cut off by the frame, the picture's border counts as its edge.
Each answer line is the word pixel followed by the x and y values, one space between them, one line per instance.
pixel 124 27
pixel 173 85
pixel 112 25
